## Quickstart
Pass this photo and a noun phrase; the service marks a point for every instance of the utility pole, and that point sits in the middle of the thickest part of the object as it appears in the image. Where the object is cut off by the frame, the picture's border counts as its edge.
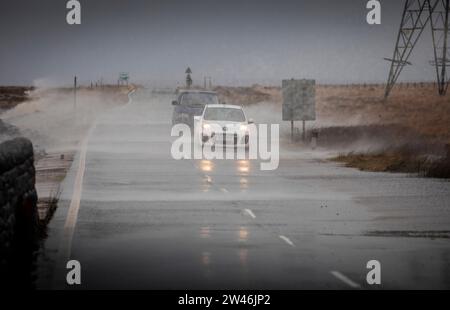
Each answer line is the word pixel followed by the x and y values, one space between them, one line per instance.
pixel 207 81
pixel 292 131
pixel 304 131
pixel 75 93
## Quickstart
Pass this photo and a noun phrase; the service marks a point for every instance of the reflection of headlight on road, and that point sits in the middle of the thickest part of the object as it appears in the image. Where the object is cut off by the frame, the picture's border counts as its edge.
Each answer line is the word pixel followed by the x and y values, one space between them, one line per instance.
pixel 243 166
pixel 243 234
pixel 206 165
pixel 243 169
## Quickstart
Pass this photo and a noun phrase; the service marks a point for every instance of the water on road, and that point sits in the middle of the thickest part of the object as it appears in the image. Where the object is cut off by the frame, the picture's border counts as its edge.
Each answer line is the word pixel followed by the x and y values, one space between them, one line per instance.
pixel 146 220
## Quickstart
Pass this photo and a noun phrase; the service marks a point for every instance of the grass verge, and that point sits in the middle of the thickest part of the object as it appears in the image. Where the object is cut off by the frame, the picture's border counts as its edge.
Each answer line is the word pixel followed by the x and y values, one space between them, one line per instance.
pixel 397 162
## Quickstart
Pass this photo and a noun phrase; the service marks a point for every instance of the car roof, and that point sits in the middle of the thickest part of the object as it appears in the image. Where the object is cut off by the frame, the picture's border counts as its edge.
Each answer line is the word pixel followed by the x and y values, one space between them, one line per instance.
pixel 229 106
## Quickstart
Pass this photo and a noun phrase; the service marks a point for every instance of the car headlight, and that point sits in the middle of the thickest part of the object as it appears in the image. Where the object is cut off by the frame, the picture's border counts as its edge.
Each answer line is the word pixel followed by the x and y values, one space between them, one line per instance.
pixel 243 127
pixel 206 126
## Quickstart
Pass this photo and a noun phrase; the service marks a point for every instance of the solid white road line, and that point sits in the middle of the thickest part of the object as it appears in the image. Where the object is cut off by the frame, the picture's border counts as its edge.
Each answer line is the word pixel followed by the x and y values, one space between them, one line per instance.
pixel 287 240
pixel 65 243
pixel 72 214
pixel 249 212
pixel 65 247
pixel 345 279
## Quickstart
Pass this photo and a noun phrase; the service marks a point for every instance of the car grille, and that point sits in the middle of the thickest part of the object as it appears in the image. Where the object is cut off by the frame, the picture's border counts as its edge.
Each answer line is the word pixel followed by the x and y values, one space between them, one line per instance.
pixel 229 138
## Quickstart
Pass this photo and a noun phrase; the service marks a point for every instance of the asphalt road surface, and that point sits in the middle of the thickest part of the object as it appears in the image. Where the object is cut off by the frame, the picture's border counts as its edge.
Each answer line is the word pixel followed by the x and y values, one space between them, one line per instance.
pixel 145 220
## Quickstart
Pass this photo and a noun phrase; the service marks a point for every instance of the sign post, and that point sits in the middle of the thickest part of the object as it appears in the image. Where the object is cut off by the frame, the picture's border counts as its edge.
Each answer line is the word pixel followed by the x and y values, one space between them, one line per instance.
pixel 292 131
pixel 299 103
pixel 304 131
pixel 188 77
pixel 124 77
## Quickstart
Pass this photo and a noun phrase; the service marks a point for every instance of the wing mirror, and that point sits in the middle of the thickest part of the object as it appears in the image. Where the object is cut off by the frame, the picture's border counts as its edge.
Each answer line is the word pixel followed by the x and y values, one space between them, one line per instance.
pixel 175 102
pixel 197 118
pixel 251 121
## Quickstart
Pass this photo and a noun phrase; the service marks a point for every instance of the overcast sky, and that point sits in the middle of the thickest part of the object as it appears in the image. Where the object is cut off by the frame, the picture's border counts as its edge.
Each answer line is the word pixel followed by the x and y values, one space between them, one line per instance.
pixel 237 42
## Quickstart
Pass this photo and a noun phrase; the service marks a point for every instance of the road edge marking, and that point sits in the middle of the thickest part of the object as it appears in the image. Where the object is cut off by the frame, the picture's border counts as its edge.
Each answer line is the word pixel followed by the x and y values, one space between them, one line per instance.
pixel 65 247
pixel 65 243
pixel 74 207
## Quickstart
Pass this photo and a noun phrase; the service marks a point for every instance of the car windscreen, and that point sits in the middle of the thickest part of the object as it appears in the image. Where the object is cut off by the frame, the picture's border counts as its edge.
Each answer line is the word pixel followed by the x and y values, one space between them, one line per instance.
pixel 224 114
pixel 200 99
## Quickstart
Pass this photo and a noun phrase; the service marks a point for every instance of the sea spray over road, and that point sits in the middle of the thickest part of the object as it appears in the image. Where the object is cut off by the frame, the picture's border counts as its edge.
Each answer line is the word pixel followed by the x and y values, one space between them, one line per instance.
pixel 52 120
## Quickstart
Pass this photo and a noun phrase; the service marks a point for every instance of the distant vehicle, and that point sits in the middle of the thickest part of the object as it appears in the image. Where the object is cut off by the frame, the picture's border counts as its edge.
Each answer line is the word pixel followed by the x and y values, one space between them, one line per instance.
pixel 191 103
pixel 223 124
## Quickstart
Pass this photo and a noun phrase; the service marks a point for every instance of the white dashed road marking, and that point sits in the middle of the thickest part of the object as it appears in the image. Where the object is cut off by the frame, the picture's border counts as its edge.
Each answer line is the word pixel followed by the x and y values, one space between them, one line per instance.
pixel 287 240
pixel 249 212
pixel 345 279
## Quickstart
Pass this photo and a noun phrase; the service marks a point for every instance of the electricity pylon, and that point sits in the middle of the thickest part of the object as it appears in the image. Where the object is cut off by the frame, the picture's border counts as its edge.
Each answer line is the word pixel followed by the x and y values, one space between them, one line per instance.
pixel 416 15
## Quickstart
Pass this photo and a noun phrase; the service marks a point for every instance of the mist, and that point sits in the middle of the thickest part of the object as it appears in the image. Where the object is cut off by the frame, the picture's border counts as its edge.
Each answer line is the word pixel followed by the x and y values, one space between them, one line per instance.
pixel 53 121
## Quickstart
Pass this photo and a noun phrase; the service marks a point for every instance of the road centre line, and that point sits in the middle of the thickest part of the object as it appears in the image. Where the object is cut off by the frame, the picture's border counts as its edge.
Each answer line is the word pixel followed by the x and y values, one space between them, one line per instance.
pixel 345 279
pixel 287 240
pixel 250 212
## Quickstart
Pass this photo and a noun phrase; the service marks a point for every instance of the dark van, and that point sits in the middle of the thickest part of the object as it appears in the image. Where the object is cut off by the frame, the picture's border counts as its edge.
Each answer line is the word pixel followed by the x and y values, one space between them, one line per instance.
pixel 191 103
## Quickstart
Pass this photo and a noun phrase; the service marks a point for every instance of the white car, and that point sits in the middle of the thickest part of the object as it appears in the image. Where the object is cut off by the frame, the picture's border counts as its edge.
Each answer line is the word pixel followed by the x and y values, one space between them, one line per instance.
pixel 222 124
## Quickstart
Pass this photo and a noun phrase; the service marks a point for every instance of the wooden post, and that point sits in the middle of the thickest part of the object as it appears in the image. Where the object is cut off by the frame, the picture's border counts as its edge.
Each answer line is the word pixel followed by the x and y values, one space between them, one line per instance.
pixel 304 131
pixel 292 131
pixel 75 92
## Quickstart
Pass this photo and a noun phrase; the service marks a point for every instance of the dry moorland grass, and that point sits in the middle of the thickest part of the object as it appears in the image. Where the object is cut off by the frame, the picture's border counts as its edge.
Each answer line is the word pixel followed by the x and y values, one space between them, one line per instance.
pixel 414 106
pixel 414 117
pixel 418 108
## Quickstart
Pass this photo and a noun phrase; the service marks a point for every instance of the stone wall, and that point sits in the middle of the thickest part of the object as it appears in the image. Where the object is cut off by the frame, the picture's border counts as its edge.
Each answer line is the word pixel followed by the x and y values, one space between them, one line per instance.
pixel 18 200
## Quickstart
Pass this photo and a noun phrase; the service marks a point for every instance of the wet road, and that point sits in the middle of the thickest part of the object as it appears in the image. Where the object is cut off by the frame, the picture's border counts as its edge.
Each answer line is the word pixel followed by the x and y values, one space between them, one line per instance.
pixel 146 220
